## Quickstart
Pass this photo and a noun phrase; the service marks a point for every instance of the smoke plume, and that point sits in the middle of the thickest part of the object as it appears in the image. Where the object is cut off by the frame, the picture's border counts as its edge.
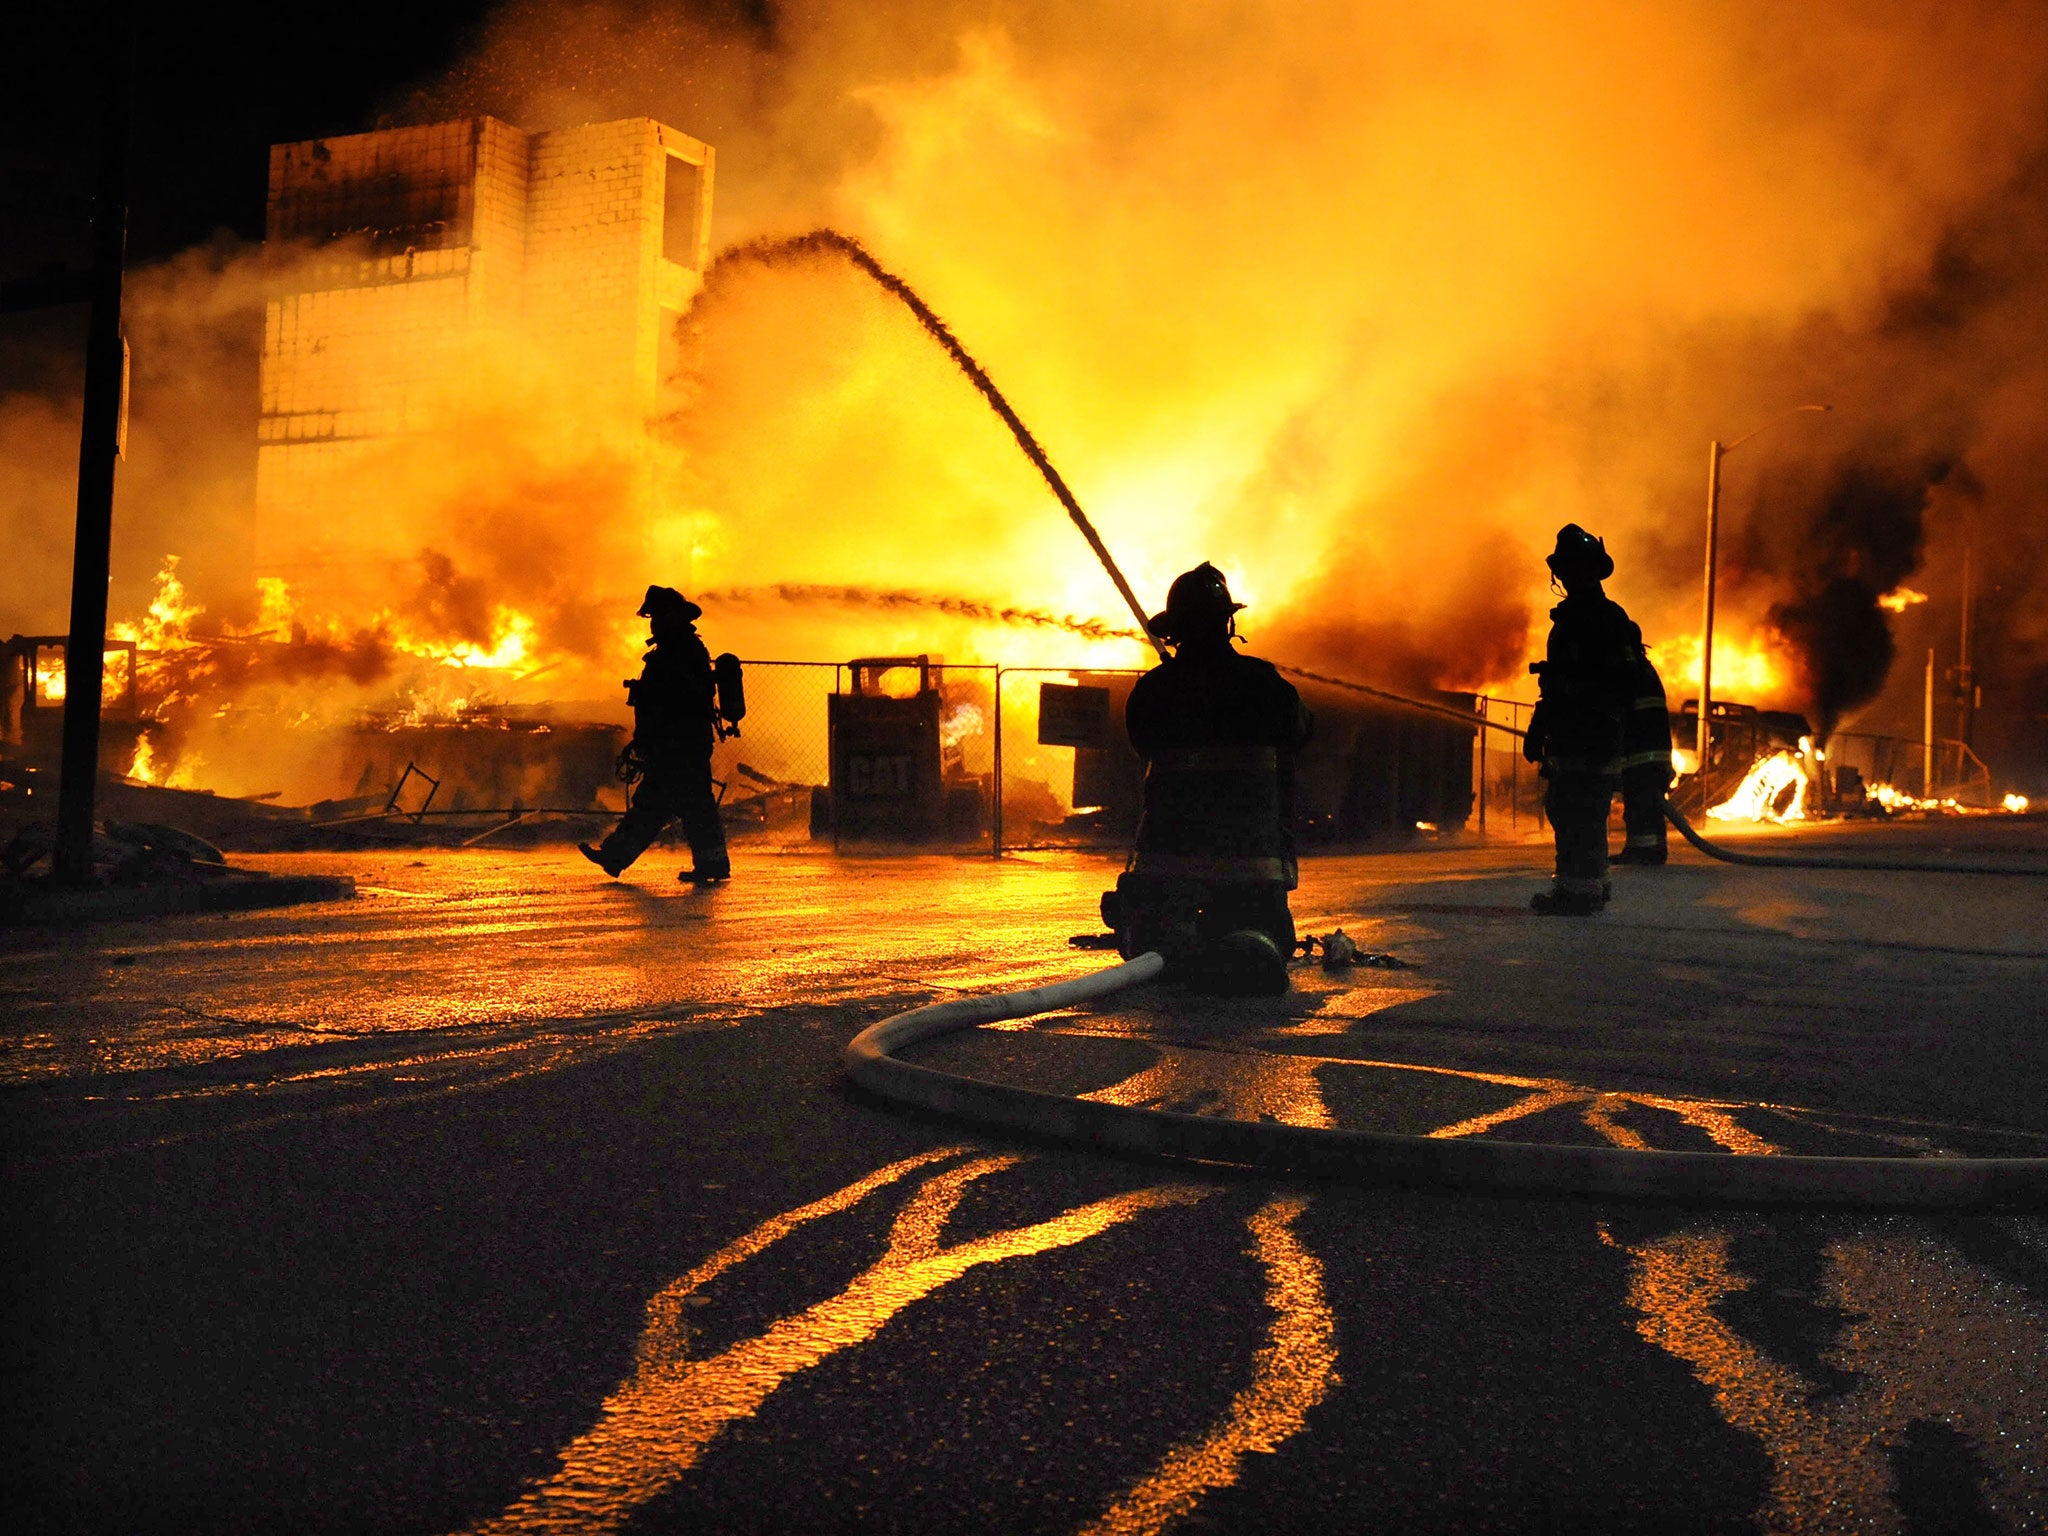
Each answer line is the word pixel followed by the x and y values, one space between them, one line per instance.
pixel 1360 301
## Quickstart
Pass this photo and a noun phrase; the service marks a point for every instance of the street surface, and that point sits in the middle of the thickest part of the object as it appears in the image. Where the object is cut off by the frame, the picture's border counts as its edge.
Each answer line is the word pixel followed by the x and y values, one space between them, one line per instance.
pixel 509 1198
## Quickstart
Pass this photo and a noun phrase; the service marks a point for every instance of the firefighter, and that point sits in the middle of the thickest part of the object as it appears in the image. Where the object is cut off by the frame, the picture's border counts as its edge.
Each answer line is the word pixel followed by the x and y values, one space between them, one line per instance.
pixel 1588 682
pixel 674 701
pixel 1645 767
pixel 1215 860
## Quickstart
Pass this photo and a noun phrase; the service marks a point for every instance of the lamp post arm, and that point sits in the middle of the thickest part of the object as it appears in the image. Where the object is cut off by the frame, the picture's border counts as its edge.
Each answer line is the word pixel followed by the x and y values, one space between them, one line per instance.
pixel 1728 448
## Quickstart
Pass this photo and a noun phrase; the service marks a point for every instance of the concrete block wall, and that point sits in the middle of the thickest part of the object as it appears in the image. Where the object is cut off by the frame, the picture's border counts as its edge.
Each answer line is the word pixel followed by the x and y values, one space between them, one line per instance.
pixel 591 212
pixel 395 253
pixel 498 225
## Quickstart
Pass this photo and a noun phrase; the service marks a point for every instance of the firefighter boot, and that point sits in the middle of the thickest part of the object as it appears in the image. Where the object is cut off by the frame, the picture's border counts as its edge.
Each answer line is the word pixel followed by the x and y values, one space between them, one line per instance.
pixel 598 859
pixel 713 873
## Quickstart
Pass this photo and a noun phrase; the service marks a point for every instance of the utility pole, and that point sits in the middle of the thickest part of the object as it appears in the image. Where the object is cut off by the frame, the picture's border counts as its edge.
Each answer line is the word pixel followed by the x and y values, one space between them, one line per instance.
pixel 98 446
pixel 1716 452
pixel 1706 729
pixel 1966 675
pixel 1927 734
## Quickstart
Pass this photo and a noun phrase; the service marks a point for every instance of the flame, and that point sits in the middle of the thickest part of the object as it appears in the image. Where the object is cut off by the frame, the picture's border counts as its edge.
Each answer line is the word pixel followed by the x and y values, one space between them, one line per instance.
pixel 1899 599
pixel 167 624
pixel 1774 789
pixel 143 765
pixel 1757 667
pixel 513 644
pixel 1892 798
pixel 51 680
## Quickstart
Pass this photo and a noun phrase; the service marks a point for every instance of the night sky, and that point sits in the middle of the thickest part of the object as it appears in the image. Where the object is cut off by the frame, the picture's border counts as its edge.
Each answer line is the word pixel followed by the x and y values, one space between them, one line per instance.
pixel 215 85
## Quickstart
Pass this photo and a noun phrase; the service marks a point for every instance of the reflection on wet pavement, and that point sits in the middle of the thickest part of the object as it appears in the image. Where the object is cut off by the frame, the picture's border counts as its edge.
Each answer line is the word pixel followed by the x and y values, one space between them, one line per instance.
pixel 1824 1476
pixel 1291 1373
pixel 1928 1338
pixel 1234 1078
pixel 654 1427
pixel 1235 1085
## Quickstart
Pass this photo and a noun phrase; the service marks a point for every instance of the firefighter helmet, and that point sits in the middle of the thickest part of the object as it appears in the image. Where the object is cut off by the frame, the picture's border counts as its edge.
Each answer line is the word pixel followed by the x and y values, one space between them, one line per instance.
pixel 665 605
pixel 1198 601
pixel 1580 554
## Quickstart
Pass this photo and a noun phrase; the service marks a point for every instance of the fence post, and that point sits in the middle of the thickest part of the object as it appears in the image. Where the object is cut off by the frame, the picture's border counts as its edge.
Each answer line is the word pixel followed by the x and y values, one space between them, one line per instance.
pixel 1485 711
pixel 995 817
pixel 1514 780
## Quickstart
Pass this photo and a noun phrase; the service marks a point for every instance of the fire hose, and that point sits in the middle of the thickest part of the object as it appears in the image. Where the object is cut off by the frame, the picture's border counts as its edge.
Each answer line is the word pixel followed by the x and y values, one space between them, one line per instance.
pixel 1382 1157
pixel 1784 861
pixel 1507 1167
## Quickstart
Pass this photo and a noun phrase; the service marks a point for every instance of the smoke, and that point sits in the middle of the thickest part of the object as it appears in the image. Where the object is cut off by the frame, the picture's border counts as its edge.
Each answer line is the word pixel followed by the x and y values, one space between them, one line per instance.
pixel 1360 301
pixel 1863 541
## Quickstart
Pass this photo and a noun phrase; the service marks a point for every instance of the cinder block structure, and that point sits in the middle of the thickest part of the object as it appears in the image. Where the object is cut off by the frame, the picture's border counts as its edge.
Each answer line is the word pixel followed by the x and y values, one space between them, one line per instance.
pixel 396 253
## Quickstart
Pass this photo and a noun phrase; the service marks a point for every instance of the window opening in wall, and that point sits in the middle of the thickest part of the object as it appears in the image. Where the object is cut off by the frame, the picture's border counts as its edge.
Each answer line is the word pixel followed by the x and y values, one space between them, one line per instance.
pixel 681 194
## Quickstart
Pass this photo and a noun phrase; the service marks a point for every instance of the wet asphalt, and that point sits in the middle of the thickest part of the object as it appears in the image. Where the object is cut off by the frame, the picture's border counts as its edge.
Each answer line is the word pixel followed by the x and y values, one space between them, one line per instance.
pixel 505 1197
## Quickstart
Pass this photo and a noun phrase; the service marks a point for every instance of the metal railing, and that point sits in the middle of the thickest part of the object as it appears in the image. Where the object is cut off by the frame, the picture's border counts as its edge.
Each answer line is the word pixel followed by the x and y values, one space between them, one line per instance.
pixel 1952 772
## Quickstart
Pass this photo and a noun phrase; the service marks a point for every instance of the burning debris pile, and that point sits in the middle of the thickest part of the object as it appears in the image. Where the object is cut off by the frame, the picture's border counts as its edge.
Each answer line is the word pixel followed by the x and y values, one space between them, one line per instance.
pixel 280 710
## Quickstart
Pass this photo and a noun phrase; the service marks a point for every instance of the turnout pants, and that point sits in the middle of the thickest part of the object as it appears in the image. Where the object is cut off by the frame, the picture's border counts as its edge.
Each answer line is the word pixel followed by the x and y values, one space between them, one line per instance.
pixel 672 791
pixel 1577 804
pixel 1643 787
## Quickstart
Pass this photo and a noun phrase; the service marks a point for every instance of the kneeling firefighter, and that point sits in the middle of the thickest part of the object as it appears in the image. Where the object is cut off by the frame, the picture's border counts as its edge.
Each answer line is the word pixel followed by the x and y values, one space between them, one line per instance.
pixel 1218 730
pixel 1589 677
pixel 681 706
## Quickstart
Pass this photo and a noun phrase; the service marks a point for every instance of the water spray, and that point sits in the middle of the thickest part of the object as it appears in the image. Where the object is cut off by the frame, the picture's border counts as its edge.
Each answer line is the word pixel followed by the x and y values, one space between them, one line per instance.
pixel 937 602
pixel 823 242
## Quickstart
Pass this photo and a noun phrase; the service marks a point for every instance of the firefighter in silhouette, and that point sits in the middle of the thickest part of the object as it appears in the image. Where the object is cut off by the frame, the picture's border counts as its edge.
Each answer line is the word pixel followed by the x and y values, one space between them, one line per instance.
pixel 1645 766
pixel 1218 731
pixel 675 701
pixel 1588 677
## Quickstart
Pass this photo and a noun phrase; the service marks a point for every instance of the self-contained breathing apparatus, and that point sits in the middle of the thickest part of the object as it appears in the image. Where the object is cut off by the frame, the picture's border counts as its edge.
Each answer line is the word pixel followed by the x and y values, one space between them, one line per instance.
pixel 728 709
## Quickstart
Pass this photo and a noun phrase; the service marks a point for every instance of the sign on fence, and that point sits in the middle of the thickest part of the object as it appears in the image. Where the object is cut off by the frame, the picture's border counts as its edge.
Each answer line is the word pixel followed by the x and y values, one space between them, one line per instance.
pixel 1073 717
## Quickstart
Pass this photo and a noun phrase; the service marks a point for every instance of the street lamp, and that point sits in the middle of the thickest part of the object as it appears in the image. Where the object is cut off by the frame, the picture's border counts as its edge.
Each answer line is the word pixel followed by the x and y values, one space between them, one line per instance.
pixel 1716 451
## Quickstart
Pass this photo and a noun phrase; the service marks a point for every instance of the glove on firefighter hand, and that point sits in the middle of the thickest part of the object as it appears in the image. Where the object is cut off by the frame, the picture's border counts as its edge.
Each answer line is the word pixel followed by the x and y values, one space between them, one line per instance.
pixel 630 767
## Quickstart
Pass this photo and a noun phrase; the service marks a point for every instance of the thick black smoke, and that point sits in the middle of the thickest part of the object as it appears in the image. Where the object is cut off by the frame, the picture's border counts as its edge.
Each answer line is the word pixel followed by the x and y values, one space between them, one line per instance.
pixel 1863 541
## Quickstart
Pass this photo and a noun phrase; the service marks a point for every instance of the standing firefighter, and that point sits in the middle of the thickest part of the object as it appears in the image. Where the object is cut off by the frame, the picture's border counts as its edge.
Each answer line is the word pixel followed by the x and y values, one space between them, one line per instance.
pixel 1589 675
pixel 1215 857
pixel 675 703
pixel 1645 766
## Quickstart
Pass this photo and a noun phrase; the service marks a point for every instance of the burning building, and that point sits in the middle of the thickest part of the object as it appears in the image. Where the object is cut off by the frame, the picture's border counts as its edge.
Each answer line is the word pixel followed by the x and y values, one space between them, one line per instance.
pixel 406 258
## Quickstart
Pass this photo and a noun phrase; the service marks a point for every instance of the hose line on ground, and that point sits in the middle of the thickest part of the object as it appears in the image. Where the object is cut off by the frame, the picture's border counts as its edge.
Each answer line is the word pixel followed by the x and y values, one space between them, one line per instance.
pixel 1785 861
pixel 1379 1157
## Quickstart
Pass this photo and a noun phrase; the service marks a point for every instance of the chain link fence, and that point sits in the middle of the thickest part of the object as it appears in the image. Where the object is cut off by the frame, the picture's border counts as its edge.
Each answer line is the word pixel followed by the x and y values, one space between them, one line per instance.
pixel 908 750
pixel 1509 795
